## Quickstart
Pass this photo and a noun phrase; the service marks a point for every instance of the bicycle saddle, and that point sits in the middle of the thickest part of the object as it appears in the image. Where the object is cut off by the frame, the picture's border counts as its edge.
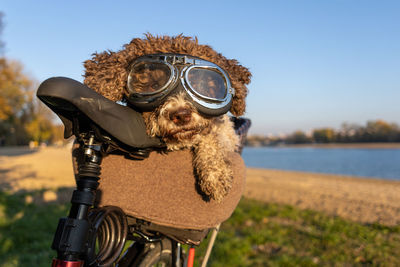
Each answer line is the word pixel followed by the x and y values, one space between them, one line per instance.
pixel 77 106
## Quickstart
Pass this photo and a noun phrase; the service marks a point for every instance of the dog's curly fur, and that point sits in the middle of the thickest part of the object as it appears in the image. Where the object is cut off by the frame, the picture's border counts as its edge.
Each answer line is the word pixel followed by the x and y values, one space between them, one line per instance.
pixel 210 138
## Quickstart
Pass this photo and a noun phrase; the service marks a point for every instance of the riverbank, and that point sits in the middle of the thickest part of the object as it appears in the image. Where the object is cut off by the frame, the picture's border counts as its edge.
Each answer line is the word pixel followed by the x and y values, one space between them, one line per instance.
pixel 358 199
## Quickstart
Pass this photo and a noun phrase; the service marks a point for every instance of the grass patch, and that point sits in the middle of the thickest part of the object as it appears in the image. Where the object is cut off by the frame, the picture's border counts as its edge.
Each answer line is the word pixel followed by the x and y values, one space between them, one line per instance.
pixel 27 229
pixel 257 234
pixel 260 234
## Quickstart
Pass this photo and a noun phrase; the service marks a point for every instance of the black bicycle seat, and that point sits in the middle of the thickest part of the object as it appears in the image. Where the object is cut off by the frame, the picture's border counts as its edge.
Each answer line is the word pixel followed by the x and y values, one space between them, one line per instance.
pixel 70 99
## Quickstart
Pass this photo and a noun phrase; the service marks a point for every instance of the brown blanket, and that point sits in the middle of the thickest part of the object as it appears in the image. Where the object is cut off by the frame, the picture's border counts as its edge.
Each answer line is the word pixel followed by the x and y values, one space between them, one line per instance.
pixel 162 189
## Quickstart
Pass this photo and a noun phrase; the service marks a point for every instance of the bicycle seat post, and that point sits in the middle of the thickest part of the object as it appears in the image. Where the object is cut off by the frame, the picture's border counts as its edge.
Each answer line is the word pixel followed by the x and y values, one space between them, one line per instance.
pixel 71 238
pixel 87 182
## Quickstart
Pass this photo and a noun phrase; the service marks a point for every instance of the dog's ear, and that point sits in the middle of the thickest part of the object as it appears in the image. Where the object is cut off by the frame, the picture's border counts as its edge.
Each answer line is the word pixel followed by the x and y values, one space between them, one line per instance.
pixel 106 73
pixel 239 103
pixel 240 76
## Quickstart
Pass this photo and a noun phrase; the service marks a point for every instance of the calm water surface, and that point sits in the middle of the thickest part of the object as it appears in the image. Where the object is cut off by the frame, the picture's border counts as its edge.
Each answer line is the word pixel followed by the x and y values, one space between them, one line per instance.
pixel 379 163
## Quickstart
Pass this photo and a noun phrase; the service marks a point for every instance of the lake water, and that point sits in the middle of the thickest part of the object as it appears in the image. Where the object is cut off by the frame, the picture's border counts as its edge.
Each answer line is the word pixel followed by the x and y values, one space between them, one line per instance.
pixel 379 163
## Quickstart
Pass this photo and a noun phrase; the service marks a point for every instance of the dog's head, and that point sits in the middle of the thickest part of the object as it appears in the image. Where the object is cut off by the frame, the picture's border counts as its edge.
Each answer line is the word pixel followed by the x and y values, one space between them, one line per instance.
pixel 176 119
pixel 107 72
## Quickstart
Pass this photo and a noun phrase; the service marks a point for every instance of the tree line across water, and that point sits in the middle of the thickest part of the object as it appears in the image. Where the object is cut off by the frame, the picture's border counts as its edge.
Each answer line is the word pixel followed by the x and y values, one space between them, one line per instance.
pixel 373 131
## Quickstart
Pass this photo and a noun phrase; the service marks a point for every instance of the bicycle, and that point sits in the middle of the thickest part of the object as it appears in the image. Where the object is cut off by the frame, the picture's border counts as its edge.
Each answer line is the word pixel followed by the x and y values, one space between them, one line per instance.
pixel 96 236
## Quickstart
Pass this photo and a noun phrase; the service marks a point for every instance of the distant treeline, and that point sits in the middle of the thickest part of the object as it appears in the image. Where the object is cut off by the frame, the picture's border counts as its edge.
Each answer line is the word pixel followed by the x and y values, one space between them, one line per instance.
pixel 373 131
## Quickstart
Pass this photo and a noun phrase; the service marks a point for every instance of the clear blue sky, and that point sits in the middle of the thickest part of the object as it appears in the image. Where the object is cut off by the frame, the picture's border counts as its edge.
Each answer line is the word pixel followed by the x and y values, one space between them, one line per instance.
pixel 314 63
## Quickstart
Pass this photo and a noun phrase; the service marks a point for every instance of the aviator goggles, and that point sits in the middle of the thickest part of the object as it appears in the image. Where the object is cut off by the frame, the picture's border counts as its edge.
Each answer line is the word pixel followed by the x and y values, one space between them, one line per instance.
pixel 154 77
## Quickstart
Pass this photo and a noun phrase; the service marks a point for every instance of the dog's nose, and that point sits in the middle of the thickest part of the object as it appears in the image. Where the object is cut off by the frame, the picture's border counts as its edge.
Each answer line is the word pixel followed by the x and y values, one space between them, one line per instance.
pixel 181 116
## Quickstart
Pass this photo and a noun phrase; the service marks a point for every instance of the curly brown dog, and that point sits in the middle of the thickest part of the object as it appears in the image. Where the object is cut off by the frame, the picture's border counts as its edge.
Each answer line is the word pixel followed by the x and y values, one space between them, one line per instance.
pixel 176 120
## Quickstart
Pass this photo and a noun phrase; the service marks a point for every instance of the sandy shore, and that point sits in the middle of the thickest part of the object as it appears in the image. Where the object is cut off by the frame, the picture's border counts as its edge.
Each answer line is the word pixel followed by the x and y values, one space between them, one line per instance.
pixel 364 200
pixel 358 199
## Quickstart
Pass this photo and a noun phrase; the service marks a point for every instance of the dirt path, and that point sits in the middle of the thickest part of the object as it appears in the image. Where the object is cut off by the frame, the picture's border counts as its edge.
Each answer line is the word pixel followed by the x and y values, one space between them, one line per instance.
pixel 49 168
pixel 365 200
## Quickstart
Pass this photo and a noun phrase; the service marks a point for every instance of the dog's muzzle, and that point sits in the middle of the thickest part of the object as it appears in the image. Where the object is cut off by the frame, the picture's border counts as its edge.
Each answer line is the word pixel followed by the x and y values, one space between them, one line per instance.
pixel 154 77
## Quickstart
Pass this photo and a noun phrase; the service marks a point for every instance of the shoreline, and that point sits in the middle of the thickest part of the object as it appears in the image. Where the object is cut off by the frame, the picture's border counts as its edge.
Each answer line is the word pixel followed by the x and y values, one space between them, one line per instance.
pixel 326 174
pixel 339 145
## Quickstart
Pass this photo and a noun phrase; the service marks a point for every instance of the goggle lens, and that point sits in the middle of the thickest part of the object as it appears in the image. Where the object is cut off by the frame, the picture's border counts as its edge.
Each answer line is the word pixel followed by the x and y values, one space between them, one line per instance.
pixel 207 83
pixel 148 77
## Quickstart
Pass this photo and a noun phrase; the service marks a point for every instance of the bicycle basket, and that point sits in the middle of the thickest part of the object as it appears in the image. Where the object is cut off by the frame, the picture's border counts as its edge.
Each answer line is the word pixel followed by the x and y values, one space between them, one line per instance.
pixel 163 192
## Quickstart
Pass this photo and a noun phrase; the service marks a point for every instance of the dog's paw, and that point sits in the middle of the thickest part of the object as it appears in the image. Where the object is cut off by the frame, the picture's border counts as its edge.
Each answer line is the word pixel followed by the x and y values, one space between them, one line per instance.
pixel 216 184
